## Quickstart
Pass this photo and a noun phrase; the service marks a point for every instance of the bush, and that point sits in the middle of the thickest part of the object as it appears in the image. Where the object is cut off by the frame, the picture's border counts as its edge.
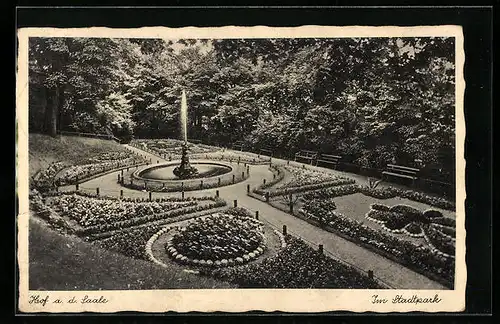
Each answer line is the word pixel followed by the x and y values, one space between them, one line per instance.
pixel 413 228
pixel 432 214
pixel 379 207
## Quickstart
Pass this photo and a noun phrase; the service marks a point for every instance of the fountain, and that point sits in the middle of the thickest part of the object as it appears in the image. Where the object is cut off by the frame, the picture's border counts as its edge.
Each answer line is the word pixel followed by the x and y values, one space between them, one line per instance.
pixel 184 170
pixel 183 175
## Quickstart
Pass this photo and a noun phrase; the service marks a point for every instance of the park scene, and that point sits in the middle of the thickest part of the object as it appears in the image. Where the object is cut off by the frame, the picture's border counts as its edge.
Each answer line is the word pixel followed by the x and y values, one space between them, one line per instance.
pixel 242 163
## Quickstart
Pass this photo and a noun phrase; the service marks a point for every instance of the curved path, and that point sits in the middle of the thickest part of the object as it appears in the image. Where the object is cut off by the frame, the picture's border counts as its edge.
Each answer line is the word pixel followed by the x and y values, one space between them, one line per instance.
pixel 386 270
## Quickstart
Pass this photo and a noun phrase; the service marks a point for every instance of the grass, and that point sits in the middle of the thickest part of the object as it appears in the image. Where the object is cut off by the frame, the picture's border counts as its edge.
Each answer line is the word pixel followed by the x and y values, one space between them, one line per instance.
pixel 60 262
pixel 44 149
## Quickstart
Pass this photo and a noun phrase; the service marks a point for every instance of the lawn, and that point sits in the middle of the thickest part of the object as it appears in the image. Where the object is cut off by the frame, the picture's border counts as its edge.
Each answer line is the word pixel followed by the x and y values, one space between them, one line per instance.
pixel 59 262
pixel 44 149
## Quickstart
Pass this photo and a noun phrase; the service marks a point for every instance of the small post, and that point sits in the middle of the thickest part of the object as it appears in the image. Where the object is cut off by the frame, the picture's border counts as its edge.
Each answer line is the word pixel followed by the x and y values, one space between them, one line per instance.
pixel 217 193
pixel 97 191
pixel 235 203
pixel 182 185
pixel 77 187
pixel 287 162
pixel 284 229
pixel 248 169
pixel 267 196
pixel 370 274
pixel 182 194
pixel 234 176
pixel 248 188
pixel 121 193
pixel 201 184
pixel 150 196
pixel 243 175
pixel 263 181
pixel 122 172
pixel 157 161
pixel 127 168
pixel 218 181
pixel 257 214
pixel 274 175
pixel 320 249
pixel 119 177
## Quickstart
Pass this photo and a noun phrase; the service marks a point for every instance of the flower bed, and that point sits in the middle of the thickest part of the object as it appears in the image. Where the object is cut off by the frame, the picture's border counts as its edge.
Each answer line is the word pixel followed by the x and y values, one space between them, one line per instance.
pixel 385 193
pixel 411 221
pixel 99 214
pixel 131 242
pixel 170 147
pixel 45 179
pixel 76 173
pixel 221 239
pixel 305 177
pixel 243 157
pixel 391 192
pixel 307 180
pixel 296 266
pixel 420 258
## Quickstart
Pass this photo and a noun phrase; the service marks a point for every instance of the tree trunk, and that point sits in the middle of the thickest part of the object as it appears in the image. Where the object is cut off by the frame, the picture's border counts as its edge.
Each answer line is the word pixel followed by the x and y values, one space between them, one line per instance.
pixel 54 113
pixel 60 106
pixel 51 112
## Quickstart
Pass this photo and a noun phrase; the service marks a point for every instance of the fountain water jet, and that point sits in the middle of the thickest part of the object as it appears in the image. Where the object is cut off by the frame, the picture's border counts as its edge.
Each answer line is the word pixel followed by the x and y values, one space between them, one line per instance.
pixel 184 170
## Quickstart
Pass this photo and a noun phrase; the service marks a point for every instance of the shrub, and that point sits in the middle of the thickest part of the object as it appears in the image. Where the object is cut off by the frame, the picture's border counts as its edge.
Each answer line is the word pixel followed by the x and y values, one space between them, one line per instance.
pixel 431 214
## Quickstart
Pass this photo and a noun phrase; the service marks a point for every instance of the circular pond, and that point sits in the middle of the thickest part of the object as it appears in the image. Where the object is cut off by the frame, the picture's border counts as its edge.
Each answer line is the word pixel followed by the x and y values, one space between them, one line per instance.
pixel 165 172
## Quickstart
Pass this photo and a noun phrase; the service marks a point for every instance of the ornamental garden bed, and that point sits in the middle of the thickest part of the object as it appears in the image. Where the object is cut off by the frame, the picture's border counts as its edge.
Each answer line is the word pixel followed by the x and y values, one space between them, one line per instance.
pixel 430 254
pixel 386 240
pixel 97 165
pixel 89 214
pixel 170 147
pixel 234 156
pixel 296 266
pixel 228 238
pixel 291 179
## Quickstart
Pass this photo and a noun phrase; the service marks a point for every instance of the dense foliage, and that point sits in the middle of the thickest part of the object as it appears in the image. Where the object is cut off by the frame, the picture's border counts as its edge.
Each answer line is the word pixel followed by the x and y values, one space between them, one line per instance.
pixel 373 100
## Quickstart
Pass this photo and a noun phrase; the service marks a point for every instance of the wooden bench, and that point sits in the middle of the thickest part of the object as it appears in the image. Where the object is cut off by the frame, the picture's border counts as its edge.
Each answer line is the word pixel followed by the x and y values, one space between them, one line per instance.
pixel 238 146
pixel 311 156
pixel 328 159
pixel 401 172
pixel 266 150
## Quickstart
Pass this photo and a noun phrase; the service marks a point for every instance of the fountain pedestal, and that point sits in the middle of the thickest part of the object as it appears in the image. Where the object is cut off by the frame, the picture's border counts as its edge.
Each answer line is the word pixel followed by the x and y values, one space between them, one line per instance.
pixel 185 170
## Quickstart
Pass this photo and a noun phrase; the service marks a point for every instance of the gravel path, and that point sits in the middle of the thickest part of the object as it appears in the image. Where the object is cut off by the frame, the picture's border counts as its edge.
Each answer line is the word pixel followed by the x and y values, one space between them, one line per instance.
pixel 388 271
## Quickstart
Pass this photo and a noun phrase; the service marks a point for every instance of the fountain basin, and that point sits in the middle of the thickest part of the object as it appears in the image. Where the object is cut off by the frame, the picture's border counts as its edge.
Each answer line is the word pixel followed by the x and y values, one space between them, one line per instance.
pixel 160 177
pixel 165 172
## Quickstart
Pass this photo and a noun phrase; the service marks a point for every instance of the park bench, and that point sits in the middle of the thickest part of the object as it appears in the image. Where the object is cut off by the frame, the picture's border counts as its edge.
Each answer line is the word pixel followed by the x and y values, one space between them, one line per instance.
pixel 328 159
pixel 310 156
pixel 238 146
pixel 266 150
pixel 401 172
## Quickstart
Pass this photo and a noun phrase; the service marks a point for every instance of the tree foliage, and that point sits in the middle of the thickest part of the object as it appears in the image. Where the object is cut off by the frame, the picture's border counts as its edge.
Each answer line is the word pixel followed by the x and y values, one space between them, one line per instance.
pixel 374 100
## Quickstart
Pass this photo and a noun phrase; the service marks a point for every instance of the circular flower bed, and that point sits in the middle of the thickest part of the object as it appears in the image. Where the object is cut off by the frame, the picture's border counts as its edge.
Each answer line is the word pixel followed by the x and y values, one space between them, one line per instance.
pixel 218 240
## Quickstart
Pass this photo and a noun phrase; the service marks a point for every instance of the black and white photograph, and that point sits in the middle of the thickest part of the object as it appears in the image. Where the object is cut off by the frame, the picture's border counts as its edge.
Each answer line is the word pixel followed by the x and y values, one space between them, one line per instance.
pixel 204 162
